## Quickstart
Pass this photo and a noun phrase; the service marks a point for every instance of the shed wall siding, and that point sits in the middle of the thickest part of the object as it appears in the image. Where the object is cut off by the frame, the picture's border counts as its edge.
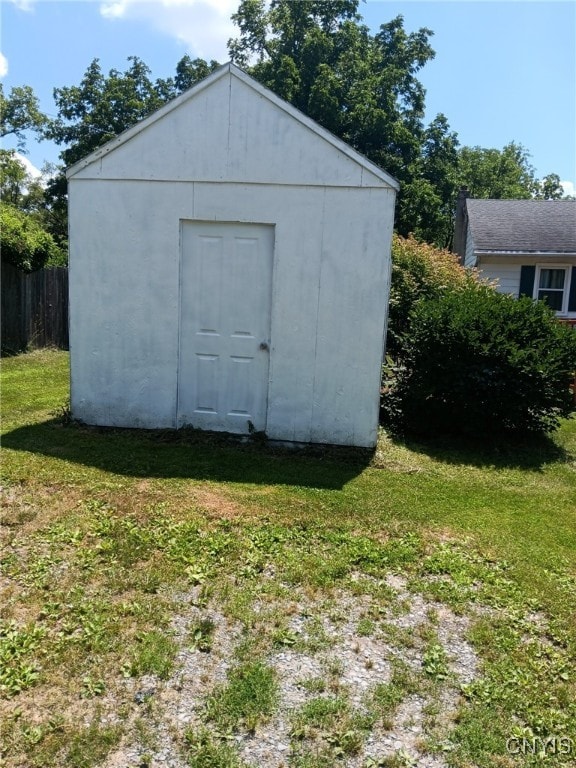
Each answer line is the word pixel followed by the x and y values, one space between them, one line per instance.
pixel 124 286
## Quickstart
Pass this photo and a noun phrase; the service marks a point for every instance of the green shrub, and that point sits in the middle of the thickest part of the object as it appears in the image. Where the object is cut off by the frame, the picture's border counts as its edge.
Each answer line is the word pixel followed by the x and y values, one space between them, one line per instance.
pixel 24 243
pixel 477 362
pixel 419 271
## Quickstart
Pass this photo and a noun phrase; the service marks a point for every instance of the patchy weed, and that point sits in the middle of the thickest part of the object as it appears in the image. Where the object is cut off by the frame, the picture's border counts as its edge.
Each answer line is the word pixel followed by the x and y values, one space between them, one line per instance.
pixel 248 698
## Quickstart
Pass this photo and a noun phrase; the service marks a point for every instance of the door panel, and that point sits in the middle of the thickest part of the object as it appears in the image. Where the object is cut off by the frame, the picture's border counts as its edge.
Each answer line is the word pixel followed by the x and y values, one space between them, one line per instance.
pixel 225 306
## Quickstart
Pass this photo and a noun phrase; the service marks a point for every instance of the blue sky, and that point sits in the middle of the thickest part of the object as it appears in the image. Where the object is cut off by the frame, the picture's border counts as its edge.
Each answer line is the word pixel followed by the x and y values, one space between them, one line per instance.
pixel 504 71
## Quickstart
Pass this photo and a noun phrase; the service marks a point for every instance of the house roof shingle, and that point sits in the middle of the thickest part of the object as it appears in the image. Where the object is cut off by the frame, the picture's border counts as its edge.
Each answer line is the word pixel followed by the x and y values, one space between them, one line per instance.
pixel 524 226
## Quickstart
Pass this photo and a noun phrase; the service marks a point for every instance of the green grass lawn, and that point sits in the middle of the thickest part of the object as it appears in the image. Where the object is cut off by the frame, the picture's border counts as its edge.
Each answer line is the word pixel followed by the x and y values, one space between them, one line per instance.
pixel 101 527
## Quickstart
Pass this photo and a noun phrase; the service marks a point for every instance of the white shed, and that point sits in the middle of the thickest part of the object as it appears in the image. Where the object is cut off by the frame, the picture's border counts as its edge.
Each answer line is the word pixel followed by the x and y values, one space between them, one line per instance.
pixel 229 270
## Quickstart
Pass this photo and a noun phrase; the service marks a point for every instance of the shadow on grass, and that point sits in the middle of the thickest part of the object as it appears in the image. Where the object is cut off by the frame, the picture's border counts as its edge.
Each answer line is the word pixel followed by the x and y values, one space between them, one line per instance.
pixel 190 454
pixel 532 453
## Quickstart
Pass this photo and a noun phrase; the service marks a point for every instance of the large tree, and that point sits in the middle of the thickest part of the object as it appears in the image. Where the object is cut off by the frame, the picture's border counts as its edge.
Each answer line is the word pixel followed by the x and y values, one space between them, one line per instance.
pixel 497 174
pixel 101 107
pixel 18 187
pixel 365 89
pixel 13 178
pixel 20 112
pixel 426 205
pixel 362 87
pixel 550 188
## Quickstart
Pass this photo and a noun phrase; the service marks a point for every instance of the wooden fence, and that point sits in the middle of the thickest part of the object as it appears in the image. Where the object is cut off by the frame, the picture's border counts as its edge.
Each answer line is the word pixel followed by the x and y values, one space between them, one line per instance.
pixel 34 308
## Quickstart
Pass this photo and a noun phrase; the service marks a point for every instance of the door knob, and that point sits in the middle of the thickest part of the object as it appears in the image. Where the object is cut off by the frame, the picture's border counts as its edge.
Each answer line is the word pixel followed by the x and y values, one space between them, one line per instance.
pixel 264 346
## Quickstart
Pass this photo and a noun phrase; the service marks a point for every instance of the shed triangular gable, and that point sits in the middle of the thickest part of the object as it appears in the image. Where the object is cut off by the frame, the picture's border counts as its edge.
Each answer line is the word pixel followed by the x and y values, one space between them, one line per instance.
pixel 230 128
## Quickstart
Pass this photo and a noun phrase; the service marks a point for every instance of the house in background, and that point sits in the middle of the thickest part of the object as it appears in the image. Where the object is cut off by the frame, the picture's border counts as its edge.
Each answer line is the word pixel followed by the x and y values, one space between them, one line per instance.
pixel 230 270
pixel 528 246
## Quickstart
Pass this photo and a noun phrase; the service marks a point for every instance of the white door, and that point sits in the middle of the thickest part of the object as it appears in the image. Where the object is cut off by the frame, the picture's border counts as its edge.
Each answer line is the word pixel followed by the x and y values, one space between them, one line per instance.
pixel 225 304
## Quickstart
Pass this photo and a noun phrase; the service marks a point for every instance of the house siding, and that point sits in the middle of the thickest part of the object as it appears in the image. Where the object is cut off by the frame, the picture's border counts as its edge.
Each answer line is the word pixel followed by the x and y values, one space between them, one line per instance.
pixel 507 272
pixel 469 255
pixel 506 239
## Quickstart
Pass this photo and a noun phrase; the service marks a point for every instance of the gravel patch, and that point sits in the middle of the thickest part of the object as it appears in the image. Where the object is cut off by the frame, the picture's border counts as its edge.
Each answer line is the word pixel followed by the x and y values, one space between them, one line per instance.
pixel 327 647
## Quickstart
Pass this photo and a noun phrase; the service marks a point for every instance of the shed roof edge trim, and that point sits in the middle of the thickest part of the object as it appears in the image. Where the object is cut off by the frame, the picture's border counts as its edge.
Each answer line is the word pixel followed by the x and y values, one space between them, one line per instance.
pixel 158 114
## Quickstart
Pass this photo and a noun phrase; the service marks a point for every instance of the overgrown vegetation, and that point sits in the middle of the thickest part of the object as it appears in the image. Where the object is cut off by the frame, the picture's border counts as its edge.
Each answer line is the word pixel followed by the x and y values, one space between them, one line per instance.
pixel 33 232
pixel 419 271
pixel 467 359
pixel 24 242
pixel 109 535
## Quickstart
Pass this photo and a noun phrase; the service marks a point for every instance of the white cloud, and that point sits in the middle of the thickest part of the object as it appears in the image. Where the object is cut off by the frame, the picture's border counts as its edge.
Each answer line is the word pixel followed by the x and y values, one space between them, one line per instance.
pixel 203 26
pixel 30 168
pixel 113 10
pixel 23 5
pixel 569 188
pixel 3 65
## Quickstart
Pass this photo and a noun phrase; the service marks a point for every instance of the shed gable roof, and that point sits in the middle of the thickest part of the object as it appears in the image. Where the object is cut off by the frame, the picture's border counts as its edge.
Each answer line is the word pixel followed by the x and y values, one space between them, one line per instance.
pixel 523 226
pixel 229 127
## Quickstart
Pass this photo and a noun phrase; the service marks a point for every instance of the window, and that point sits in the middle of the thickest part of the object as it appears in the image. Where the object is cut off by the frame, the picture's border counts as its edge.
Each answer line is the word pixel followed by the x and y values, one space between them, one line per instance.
pixel 551 286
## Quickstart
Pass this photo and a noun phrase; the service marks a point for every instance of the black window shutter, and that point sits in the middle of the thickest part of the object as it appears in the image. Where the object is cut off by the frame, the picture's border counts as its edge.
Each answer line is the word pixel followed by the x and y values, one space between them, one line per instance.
pixel 527 275
pixel 572 294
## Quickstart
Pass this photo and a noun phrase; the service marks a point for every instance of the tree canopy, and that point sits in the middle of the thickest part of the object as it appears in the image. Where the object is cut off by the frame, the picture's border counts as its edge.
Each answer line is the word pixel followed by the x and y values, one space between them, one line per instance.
pixel 504 174
pixel 364 88
pixel 321 57
pixel 104 105
pixel 20 112
pixel 18 187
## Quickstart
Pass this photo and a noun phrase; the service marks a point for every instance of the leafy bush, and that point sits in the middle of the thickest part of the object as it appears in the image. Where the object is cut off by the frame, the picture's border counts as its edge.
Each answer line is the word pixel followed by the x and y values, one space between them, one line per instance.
pixel 418 271
pixel 24 243
pixel 478 362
